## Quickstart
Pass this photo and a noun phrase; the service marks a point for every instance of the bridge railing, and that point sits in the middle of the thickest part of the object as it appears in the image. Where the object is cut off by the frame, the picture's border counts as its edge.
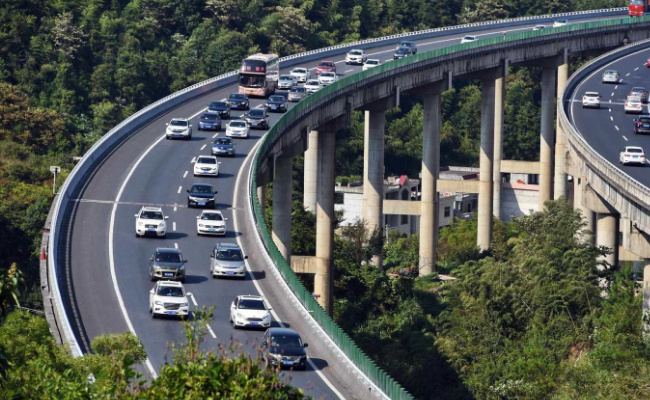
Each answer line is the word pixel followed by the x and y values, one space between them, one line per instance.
pixel 100 150
pixel 377 375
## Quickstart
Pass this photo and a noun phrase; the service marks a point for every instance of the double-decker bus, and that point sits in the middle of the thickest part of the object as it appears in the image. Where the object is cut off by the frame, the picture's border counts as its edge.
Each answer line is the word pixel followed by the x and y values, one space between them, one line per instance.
pixel 638 8
pixel 259 74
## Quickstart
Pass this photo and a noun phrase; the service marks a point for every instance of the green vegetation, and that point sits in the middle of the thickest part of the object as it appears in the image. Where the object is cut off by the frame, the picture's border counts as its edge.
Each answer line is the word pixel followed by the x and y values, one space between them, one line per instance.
pixel 33 367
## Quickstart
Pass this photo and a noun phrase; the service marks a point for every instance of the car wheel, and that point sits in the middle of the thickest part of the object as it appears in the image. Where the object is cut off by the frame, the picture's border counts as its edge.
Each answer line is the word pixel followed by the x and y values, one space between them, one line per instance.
pixel 182 280
pixel 153 315
pixel 136 235
pixel 188 205
pixel 167 137
pixel 153 278
pixel 199 128
pixel 164 236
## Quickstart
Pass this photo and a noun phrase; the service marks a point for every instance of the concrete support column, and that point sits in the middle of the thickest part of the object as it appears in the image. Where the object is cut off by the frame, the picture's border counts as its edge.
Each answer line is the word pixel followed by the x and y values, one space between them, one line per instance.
pixel 578 205
pixel 373 174
pixel 646 299
pixel 323 280
pixel 430 171
pixel 261 196
pixel 311 172
pixel 546 135
pixel 560 188
pixel 607 235
pixel 499 95
pixel 486 159
pixel 281 228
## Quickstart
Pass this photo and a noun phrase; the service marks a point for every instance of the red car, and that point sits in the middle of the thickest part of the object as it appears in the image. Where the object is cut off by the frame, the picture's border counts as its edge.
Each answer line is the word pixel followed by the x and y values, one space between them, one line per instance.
pixel 324 66
pixel 647 64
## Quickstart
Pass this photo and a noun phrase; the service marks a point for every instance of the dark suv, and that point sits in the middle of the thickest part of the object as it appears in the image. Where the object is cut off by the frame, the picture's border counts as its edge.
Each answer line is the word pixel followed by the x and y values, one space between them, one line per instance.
pixel 405 48
pixel 284 348
pixel 201 194
pixel 167 263
pixel 238 101
pixel 220 107
pixel 642 124
pixel 257 118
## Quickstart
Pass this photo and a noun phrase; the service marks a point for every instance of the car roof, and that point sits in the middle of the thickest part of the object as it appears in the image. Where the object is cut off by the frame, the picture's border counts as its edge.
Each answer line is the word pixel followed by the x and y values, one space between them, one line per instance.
pixel 351 50
pixel 228 245
pixel 151 209
pixel 210 113
pixel 282 331
pixel 167 250
pixel 170 283
pixel 634 147
pixel 609 71
pixel 206 156
pixel 180 119
pixel 250 297
pixel 211 212
pixel 238 94
pixel 638 88
pixel 591 93
pixel 326 62
pixel 632 97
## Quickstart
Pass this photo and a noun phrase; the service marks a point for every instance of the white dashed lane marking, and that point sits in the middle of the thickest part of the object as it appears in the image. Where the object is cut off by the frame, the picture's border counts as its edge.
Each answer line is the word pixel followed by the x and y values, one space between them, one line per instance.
pixel 174 226
pixel 612 94
pixel 185 174
pixel 628 74
pixel 203 147
pixel 215 135
pixel 211 331
pixel 175 208
pixel 193 299
pixel 194 158
pixel 611 118
pixel 636 69
pixel 616 126
pixel 179 189
pixel 175 245
pixel 624 138
pixel 615 87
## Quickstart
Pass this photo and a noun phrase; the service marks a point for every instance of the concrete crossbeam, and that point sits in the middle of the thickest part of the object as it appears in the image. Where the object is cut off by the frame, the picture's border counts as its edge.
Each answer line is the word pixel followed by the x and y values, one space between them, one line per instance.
pixel 402 207
pixel 457 186
pixel 520 167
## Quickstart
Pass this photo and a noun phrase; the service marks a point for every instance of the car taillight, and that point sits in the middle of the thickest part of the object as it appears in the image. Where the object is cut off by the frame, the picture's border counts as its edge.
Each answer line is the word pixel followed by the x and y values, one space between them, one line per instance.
pixel 584 98
pixel 626 155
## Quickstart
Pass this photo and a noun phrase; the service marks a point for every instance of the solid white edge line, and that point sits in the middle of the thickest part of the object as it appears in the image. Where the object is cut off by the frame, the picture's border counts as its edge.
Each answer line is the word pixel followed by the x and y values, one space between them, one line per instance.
pixel 111 257
pixel 257 286
pixel 194 300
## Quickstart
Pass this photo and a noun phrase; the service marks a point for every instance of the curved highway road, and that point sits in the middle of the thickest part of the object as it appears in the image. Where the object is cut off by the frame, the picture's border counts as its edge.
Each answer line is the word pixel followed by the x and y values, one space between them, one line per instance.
pixel 106 266
pixel 608 129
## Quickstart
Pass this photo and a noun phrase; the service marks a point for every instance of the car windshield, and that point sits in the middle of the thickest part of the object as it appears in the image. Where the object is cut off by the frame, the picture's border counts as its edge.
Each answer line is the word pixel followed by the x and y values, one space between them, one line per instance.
pixel 286 77
pixel 299 71
pixel 151 215
pixel 633 150
pixel 212 216
pixel 203 189
pixel 238 124
pixel 403 49
pixel 206 160
pixel 247 80
pixel 256 113
pixel 276 99
pixel 178 123
pixel 298 89
pixel 251 305
pixel 327 74
pixel 313 83
pixel 355 53
pixel 326 64
pixel 286 340
pixel 229 255
pixel 164 256
pixel 218 105
pixel 237 96
pixel 170 291
pixel 211 117
pixel 591 94
pixel 223 141
pixel 638 89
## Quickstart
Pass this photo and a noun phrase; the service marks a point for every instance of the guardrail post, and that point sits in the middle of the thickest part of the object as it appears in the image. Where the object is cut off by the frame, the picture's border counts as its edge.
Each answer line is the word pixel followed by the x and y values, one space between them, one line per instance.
pixel 282 185
pixel 311 172
pixel 546 137
pixel 323 280
pixel 486 160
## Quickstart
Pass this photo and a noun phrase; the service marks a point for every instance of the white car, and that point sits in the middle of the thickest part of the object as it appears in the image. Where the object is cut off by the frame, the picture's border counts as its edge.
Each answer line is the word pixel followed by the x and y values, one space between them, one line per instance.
pixel 206 166
pixel 560 22
pixel 251 311
pixel 467 39
pixel 591 99
pixel 301 74
pixel 632 154
pixel 356 56
pixel 150 221
pixel 611 76
pixel 211 222
pixel 633 104
pixel 326 78
pixel 237 128
pixel 370 63
pixel 168 298
pixel 539 27
pixel 286 81
pixel 179 128
pixel 312 86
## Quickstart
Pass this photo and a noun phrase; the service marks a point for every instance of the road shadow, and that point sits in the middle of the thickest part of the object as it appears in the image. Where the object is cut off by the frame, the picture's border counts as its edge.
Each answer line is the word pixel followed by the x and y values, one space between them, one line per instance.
pixel 197 138
pixel 224 175
pixel 232 234
pixel 195 279
pixel 176 235
pixel 276 324
pixel 222 206
pixel 319 364
pixel 257 275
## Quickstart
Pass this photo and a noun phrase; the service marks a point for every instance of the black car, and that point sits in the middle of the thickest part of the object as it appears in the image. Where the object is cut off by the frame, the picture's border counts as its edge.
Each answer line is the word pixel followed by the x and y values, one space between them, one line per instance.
pixel 220 107
pixel 411 45
pixel 201 194
pixel 642 124
pixel 401 52
pixel 223 146
pixel 238 101
pixel 257 118
pixel 276 103
pixel 284 348
pixel 167 263
pixel 210 120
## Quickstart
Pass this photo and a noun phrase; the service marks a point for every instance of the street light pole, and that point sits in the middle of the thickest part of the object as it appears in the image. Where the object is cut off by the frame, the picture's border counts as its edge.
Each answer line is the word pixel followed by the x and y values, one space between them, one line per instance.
pixel 55 170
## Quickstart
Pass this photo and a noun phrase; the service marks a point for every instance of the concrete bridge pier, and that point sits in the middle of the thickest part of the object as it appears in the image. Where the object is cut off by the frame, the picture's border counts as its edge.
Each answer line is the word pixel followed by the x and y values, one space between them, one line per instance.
pixel 310 183
pixel 547 136
pixel 586 212
pixel 499 96
pixel 607 236
pixel 282 187
pixel 261 196
pixel 486 160
pixel 560 184
pixel 323 279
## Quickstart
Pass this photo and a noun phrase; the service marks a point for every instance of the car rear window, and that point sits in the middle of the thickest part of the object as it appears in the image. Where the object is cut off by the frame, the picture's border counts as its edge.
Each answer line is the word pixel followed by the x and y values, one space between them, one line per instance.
pixel 206 160
pixel 212 216
pixel 211 117
pixel 299 89
pixel 204 189
pixel 251 305
pixel 224 141
pixel 218 104
pixel 635 150
pixel 238 124
pixel 168 257
pixel 276 98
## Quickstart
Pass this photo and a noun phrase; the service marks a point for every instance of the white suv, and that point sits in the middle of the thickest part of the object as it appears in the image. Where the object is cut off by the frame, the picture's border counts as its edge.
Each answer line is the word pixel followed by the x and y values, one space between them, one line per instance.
pixel 632 155
pixel 250 311
pixel 168 298
pixel 150 221
pixel 179 128
pixel 356 56
pixel 591 99
pixel 300 74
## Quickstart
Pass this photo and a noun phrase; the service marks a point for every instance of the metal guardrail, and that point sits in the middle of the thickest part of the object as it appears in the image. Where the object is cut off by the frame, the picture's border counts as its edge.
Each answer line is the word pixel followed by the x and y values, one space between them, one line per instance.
pixel 601 171
pixel 387 384
pixel 76 179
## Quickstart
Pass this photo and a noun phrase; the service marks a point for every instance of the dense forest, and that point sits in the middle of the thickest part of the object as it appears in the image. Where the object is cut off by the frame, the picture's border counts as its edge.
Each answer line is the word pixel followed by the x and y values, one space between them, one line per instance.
pixel 524 321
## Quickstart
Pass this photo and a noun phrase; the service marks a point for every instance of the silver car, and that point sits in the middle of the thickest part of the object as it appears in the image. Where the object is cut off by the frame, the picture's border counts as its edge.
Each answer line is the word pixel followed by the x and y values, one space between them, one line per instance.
pixel 611 76
pixel 286 81
pixel 297 93
pixel 227 260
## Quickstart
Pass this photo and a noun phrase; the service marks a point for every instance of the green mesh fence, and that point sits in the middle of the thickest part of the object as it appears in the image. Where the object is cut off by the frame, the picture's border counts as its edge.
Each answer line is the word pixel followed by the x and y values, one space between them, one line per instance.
pixel 377 375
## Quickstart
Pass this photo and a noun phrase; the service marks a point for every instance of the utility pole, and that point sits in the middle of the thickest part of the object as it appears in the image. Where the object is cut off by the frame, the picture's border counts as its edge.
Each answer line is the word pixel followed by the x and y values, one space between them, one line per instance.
pixel 55 170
